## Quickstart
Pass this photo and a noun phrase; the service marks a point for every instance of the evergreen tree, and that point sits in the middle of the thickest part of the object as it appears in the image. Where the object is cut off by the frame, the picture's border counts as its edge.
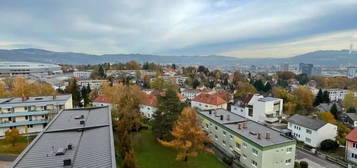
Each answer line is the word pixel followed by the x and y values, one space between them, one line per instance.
pixel 319 98
pixel 195 83
pixel 169 107
pixel 73 88
pixel 267 87
pixel 351 110
pixel 101 72
pixel 326 97
pixel 258 84
pixel 334 111
pixel 85 96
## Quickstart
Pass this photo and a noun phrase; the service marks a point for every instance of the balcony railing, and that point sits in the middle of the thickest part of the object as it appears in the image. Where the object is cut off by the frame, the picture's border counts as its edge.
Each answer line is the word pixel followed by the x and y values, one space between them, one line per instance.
pixel 22 123
pixel 19 114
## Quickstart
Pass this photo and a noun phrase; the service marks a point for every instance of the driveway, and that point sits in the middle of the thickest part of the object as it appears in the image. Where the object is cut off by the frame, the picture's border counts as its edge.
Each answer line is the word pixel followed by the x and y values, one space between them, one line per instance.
pixel 314 161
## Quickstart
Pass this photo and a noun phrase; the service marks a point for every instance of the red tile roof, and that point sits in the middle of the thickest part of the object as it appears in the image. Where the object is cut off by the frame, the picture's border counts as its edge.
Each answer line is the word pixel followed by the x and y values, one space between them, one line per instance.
pixel 209 99
pixel 224 95
pixel 352 136
pixel 244 100
pixel 101 99
pixel 150 100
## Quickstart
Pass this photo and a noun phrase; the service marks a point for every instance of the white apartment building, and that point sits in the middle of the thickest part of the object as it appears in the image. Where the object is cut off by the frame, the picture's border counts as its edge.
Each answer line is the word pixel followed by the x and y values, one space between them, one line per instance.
pixel 351 147
pixel 82 74
pixel 206 101
pixel 30 114
pixel 259 108
pixel 92 83
pixel 310 131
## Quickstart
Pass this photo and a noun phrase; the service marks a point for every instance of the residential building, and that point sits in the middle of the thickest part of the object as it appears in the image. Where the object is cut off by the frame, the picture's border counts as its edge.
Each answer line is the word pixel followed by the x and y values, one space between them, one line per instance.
pixel 259 108
pixel 351 147
pixel 82 74
pixel 28 68
pixel 336 94
pixel 189 94
pixel 249 143
pixel 351 72
pixel 102 101
pixel 92 83
pixel 30 114
pixel 305 68
pixel 74 138
pixel 149 106
pixel 206 101
pixel 350 119
pixel 311 131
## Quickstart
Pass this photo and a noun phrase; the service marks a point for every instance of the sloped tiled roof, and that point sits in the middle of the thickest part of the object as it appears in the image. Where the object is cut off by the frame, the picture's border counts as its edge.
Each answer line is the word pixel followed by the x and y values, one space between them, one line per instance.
pixel 352 136
pixel 102 99
pixel 209 99
pixel 150 100
pixel 244 100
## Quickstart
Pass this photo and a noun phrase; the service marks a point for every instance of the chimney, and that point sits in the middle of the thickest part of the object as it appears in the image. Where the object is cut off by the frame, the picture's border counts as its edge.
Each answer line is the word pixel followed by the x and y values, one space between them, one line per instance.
pixel 267 135
pixel 23 98
pixel 54 97
pixel 244 125
pixel 222 117
pixel 82 122
pixel 209 112
pixel 228 117
pixel 259 136
pixel 239 126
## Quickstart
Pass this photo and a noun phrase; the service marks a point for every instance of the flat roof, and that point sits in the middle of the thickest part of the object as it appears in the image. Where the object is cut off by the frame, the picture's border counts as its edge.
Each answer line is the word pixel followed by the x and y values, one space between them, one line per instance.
pixel 252 128
pixel 267 99
pixel 92 142
pixel 35 100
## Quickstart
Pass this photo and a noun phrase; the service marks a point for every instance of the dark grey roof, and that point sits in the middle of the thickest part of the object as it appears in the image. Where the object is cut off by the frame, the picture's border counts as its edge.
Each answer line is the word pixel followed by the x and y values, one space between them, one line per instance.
pixel 306 122
pixel 352 116
pixel 252 129
pixel 35 100
pixel 92 143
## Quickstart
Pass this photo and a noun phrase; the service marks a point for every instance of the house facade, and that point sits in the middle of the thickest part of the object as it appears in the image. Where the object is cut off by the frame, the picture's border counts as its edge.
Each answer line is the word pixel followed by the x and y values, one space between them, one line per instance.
pixel 351 147
pixel 206 101
pixel 311 131
pixel 249 143
pixel 30 114
pixel 149 106
pixel 259 108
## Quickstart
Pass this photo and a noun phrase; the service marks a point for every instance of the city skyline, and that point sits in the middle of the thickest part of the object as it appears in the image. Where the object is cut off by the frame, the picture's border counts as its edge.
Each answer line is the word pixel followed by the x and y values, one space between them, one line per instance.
pixel 243 29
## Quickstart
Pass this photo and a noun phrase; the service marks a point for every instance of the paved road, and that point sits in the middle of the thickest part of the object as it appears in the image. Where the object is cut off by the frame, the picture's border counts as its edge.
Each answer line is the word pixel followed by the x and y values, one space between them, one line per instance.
pixel 316 161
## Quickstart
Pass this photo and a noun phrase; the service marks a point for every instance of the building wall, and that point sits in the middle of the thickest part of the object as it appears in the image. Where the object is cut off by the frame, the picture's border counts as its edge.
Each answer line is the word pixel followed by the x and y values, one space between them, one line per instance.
pixel 351 151
pixel 147 111
pixel 233 145
pixel 313 137
pixel 204 106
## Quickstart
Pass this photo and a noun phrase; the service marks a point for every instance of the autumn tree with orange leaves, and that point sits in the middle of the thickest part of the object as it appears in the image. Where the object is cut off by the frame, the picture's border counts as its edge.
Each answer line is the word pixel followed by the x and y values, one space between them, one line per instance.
pixel 189 139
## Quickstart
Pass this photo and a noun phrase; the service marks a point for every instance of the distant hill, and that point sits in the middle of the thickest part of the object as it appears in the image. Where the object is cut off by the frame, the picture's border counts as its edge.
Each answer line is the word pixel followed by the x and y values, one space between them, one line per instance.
pixel 326 57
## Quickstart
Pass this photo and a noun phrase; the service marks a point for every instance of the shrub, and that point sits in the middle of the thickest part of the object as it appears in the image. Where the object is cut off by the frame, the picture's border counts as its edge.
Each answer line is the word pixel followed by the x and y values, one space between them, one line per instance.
pixel 297 165
pixel 304 164
pixel 328 145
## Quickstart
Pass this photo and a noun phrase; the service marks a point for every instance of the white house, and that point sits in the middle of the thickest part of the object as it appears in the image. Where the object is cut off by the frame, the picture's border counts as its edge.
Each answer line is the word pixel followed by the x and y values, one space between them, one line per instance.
pixel 82 74
pixel 206 101
pixel 92 83
pixel 149 106
pixel 189 94
pixel 259 108
pixel 351 147
pixel 311 131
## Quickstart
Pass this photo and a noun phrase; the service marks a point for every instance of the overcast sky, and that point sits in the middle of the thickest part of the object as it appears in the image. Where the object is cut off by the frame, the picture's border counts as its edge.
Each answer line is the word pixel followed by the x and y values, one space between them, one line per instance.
pixel 240 28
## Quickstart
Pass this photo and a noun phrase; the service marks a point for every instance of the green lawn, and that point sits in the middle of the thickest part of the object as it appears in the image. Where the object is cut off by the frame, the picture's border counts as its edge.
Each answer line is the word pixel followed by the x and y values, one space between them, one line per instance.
pixel 150 154
pixel 6 148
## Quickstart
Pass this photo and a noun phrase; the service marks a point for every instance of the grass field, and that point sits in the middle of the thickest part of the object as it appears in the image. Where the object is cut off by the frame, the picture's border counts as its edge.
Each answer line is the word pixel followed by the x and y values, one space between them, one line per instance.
pixel 150 154
pixel 6 148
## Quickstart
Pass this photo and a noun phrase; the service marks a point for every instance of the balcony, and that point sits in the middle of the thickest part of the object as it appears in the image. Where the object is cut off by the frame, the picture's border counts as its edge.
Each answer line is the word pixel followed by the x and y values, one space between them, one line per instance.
pixel 20 114
pixel 22 123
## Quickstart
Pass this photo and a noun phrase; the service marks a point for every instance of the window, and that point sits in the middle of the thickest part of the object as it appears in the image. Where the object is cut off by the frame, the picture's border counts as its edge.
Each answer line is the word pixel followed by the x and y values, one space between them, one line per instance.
pixel 231 137
pixel 288 161
pixel 308 131
pixel 288 150
pixel 237 145
pixel 215 136
pixel 244 156
pixel 355 145
pixel 215 127
pixel 26 117
pixel 308 140
pixel 354 155
pixel 250 112
pixel 224 133
pixel 244 145
pixel 254 163
pixel 206 125
pixel 224 142
pixel 255 152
